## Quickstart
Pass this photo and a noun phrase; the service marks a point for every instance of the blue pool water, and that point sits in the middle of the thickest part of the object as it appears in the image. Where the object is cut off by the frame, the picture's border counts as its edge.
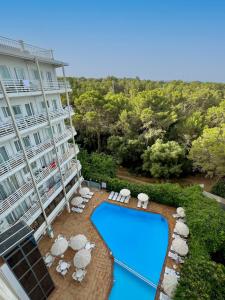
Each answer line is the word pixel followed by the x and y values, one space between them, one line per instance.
pixel 138 239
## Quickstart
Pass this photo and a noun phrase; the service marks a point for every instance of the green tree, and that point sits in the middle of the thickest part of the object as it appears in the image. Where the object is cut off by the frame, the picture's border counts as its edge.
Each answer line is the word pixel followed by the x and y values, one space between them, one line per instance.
pixel 208 152
pixel 163 159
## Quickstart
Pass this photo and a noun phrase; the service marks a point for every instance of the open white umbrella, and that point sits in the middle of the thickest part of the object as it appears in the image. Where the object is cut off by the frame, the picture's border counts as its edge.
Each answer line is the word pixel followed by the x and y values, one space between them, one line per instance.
pixel 82 258
pixel 77 201
pixel 125 192
pixel 169 284
pixel 180 246
pixel 78 242
pixel 84 191
pixel 59 247
pixel 181 229
pixel 181 212
pixel 143 197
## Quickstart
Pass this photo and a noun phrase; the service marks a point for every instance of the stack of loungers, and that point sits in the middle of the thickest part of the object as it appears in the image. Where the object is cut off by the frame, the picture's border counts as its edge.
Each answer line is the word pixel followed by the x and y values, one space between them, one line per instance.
pixel 114 196
pixel 86 198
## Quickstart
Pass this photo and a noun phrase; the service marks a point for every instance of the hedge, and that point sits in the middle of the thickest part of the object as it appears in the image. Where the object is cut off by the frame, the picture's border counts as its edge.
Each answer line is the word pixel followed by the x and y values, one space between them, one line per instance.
pixel 201 277
pixel 219 188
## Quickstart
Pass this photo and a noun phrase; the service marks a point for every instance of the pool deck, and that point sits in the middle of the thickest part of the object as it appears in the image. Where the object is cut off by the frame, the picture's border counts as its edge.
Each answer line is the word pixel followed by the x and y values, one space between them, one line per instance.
pixel 98 280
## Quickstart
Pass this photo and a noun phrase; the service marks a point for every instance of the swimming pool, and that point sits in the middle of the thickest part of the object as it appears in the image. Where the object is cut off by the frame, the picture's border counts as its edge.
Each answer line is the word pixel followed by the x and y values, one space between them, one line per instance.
pixel 139 240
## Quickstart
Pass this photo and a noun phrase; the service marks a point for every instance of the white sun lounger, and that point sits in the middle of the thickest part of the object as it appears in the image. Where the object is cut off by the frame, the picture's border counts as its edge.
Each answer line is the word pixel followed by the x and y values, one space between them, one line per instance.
pixel 77 210
pixel 90 193
pixel 139 203
pixel 81 206
pixel 122 199
pixel 170 271
pixel 175 257
pixel 111 195
pixel 115 196
pixel 118 198
pixel 87 196
pixel 126 200
pixel 85 200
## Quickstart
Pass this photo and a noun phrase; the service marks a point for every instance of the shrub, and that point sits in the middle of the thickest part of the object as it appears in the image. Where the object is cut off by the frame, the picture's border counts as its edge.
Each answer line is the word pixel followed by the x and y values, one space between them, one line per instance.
pixel 219 188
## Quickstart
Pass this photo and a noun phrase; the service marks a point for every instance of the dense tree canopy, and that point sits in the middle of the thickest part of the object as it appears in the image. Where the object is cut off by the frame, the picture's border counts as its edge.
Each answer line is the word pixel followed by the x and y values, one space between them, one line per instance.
pixel 125 118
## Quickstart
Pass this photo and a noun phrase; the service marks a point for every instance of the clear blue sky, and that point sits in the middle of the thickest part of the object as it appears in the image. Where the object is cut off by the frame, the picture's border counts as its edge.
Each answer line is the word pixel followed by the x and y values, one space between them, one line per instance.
pixel 152 39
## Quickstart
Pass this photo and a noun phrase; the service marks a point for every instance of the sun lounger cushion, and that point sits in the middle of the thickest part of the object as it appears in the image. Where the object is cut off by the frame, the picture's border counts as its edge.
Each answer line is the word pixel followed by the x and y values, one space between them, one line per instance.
pixel 111 195
pixel 115 196
pixel 126 200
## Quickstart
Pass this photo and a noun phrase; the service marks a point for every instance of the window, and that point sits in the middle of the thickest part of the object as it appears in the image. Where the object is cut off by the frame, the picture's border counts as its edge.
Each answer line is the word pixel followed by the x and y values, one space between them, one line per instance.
pixel 29 109
pixel 43 106
pixel 17 110
pixel 25 170
pixel 33 165
pixel 20 75
pixel 37 138
pixel 26 141
pixel 18 146
pixel 4 73
pixel 6 111
pixel 49 76
pixel 54 104
pixel 36 74
pixel 59 128
pixel 3 154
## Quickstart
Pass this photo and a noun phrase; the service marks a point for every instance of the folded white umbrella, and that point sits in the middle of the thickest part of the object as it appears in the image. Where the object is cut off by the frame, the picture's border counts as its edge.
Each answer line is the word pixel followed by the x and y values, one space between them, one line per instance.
pixel 78 242
pixel 143 197
pixel 125 192
pixel 180 246
pixel 181 212
pixel 59 247
pixel 77 201
pixel 181 229
pixel 84 191
pixel 169 284
pixel 82 258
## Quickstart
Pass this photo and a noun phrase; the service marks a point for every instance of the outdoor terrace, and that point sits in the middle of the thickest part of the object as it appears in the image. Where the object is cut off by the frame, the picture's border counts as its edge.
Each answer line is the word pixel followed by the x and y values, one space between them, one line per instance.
pixel 99 278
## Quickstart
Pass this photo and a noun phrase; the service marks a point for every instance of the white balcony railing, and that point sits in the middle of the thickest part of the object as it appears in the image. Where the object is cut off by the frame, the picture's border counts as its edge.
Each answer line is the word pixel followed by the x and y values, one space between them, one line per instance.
pixel 28 186
pixel 6 128
pixel 36 206
pixel 18 159
pixel 20 47
pixel 30 86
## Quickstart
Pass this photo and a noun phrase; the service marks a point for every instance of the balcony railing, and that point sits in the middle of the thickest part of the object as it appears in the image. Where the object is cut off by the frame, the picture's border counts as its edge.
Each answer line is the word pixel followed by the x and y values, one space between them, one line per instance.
pixel 30 86
pixel 36 206
pixel 18 159
pixel 14 46
pixel 28 186
pixel 27 122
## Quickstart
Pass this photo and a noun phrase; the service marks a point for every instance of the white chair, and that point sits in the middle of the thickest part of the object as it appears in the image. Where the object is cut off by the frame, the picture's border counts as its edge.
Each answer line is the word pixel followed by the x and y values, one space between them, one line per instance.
pixel 79 275
pixel 77 210
pixel 89 246
pixel 118 198
pixel 145 205
pixel 126 200
pixel 139 203
pixel 115 196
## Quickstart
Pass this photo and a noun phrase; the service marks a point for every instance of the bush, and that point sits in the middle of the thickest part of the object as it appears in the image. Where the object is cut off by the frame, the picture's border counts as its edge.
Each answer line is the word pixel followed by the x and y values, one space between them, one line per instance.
pixel 219 188
pixel 201 277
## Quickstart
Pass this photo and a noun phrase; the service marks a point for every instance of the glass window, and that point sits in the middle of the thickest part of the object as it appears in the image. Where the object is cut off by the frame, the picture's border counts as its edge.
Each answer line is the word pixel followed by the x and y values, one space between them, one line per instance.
pixel 26 141
pixel 17 110
pixel 6 111
pixel 37 294
pixel 19 72
pixel 29 109
pixel 35 74
pixel 59 128
pixel 3 154
pixel 54 104
pixel 34 256
pixel 28 281
pixel 49 76
pixel 47 285
pixel 37 138
pixel 33 165
pixel 4 73
pixel 18 146
pixel 25 170
pixel 40 269
pixel 28 246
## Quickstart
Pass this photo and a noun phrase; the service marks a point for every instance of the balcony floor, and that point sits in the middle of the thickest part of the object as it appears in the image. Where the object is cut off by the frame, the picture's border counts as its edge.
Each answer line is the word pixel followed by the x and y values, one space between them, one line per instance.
pixel 98 280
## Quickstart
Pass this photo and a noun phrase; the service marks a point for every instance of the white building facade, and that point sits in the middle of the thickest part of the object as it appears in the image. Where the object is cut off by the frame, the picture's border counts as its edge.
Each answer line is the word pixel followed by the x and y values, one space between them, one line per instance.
pixel 39 170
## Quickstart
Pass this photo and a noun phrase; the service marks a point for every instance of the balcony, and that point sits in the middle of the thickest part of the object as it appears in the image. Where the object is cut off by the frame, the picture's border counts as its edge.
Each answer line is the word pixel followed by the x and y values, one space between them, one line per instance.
pixel 20 48
pixel 29 122
pixel 19 88
pixel 17 162
pixel 28 217
pixel 27 188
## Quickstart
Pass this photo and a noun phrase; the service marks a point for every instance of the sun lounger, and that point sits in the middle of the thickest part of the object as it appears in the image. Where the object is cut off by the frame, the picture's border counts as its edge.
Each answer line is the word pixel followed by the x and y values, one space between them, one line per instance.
pixel 90 193
pixel 77 210
pixel 87 196
pixel 85 200
pixel 170 271
pixel 115 196
pixel 175 257
pixel 145 205
pixel 89 246
pixel 122 198
pixel 163 296
pixel 126 200
pixel 111 195
pixel 118 198
pixel 139 203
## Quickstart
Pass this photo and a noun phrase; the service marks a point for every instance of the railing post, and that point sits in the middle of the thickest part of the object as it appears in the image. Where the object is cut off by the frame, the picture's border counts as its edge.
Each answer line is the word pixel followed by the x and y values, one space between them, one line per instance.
pixel 21 42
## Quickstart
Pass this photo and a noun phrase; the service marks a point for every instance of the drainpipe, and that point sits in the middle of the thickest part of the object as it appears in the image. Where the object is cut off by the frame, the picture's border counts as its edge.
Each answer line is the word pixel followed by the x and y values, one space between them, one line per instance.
pixel 50 124
pixel 49 228
pixel 71 122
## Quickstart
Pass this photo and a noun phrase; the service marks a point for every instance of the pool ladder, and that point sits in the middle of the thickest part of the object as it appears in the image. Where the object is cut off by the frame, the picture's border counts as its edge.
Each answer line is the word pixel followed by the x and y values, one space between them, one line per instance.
pixel 135 273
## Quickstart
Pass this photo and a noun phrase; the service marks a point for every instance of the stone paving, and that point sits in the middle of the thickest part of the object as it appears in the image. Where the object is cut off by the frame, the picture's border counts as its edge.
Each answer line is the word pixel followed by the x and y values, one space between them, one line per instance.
pixel 99 279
